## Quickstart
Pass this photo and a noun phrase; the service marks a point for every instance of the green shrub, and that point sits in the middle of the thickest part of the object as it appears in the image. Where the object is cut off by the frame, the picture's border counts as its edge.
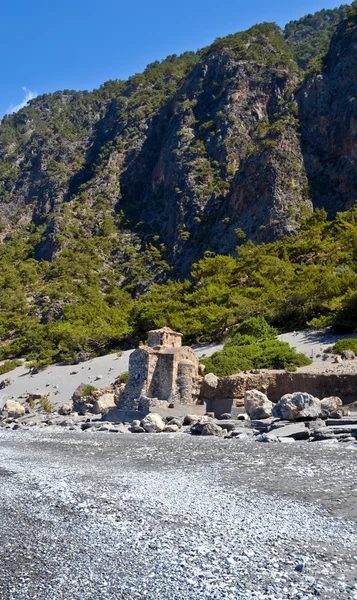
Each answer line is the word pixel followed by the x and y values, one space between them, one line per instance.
pixel 9 365
pixel 270 354
pixel 123 378
pixel 255 327
pixel 88 390
pixel 347 344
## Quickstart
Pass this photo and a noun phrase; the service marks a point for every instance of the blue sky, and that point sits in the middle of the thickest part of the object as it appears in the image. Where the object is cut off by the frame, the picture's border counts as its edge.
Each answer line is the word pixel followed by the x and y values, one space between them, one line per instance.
pixel 49 45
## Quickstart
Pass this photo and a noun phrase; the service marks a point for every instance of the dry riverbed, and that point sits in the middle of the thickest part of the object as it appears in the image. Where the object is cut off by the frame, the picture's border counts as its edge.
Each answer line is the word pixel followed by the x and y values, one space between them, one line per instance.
pixel 108 516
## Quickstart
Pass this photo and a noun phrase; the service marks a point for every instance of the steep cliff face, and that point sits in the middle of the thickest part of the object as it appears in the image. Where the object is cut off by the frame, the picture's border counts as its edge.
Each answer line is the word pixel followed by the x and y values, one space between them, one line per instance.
pixel 229 156
pixel 328 113
pixel 198 153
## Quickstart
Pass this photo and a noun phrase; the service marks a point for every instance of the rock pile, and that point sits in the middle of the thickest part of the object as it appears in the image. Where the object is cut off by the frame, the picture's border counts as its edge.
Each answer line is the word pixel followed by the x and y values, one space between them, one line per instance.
pixel 295 417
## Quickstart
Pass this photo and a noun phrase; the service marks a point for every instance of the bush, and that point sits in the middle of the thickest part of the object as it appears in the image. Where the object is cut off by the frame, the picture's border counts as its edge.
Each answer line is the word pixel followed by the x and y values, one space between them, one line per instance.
pixel 345 321
pixel 347 344
pixel 123 378
pixel 88 390
pixel 269 354
pixel 254 328
pixel 9 365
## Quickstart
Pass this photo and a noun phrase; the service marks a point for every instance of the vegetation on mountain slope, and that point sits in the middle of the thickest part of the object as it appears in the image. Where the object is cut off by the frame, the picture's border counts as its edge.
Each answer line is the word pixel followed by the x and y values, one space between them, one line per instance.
pixel 72 307
pixel 108 198
pixel 309 37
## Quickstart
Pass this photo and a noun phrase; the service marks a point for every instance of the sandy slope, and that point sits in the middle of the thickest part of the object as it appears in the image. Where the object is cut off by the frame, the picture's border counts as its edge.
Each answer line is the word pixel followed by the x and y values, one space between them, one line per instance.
pixel 59 382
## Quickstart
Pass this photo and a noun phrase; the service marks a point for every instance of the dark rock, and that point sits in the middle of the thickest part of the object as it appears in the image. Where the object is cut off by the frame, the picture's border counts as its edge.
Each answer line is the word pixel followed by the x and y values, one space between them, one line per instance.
pixel 211 429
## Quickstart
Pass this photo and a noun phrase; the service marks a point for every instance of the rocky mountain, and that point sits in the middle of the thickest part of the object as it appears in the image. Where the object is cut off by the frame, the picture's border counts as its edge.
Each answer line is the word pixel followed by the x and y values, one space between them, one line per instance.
pixel 197 153
pixel 104 193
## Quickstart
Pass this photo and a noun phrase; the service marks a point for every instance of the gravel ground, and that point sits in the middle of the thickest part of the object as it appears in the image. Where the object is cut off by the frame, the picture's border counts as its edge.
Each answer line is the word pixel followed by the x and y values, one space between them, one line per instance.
pixel 110 516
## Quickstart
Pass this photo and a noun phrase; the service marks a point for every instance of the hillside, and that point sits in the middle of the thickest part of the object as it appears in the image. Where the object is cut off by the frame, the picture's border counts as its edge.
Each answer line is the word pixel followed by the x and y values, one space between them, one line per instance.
pixel 104 194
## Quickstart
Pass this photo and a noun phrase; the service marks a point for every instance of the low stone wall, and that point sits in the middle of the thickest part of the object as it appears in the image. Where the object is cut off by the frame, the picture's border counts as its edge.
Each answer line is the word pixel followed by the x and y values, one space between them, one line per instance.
pixel 222 394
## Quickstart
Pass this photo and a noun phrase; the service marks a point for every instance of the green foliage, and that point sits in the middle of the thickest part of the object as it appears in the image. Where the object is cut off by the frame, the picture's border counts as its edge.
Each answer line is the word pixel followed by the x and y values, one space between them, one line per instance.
pixel 270 354
pixel 255 328
pixel 88 389
pixel 292 282
pixel 309 37
pixel 347 344
pixel 9 365
pixel 123 378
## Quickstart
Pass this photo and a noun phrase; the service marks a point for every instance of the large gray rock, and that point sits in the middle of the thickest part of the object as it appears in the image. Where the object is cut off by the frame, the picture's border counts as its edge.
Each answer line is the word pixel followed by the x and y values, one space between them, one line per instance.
pixel 293 407
pixel 153 423
pixel 211 429
pixel 79 392
pixel 257 405
pixel 171 428
pixel 348 355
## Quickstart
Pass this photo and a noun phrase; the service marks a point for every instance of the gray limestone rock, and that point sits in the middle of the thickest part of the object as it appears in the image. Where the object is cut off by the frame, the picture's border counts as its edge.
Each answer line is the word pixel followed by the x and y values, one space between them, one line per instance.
pixel 297 406
pixel 153 423
pixel 257 405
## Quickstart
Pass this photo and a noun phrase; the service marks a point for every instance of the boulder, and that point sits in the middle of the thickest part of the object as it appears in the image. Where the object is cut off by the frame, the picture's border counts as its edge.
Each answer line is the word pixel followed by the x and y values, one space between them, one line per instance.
pixel 79 392
pixel 137 429
pixel 37 396
pixel 225 416
pixel 4 383
pixel 331 406
pixel 171 428
pixel 297 406
pixel 65 409
pixel 104 403
pixel 264 437
pixel 153 423
pixel 257 405
pixel 14 409
pixel 348 355
pixel 211 429
pixel 190 419
pixel 174 421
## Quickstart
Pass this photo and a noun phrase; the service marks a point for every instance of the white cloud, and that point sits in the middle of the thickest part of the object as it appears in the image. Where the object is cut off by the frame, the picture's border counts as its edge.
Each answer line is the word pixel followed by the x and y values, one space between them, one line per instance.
pixel 28 96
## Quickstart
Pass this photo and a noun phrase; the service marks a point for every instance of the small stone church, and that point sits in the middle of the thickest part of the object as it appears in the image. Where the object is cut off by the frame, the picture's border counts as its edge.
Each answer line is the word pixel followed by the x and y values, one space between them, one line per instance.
pixel 161 373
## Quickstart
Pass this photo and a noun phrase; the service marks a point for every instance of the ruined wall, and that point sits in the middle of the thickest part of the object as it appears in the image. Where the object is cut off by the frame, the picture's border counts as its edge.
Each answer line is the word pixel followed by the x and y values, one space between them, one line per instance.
pixel 222 394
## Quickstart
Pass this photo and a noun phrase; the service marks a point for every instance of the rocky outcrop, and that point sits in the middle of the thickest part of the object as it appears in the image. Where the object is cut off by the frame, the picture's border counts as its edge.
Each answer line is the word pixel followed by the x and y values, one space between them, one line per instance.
pixel 328 116
pixel 222 394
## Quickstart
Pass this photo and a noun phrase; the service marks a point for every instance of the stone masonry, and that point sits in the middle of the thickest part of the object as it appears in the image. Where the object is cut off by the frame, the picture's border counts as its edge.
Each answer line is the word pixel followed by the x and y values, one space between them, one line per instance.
pixel 161 373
